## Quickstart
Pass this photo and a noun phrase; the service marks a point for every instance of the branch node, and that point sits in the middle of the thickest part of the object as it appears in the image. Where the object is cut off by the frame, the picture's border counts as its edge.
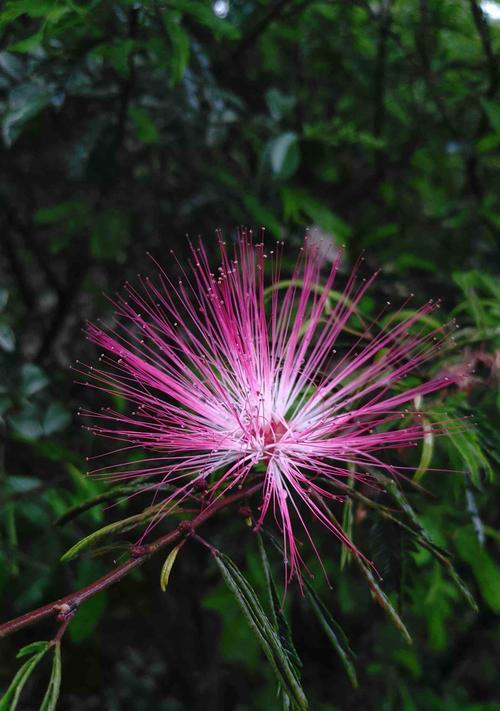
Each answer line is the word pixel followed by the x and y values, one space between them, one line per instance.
pixel 65 611
pixel 185 528
pixel 138 550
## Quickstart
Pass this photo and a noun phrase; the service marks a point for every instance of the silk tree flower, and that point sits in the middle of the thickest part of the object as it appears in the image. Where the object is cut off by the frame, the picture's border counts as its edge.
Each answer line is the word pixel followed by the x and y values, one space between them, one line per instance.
pixel 236 375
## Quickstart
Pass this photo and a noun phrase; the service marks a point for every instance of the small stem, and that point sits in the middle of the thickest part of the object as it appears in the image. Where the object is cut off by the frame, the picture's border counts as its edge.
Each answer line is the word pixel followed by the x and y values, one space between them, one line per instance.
pixel 66 606
pixel 205 543
pixel 62 629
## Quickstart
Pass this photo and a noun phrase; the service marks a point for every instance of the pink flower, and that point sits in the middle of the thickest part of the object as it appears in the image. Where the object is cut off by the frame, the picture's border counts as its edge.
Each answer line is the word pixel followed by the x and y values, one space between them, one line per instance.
pixel 465 372
pixel 234 380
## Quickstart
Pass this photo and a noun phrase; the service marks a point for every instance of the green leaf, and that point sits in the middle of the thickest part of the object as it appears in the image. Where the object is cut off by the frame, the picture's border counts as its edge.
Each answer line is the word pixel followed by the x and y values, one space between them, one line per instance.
pixel 237 641
pixel 12 66
pixel 377 593
pixel 118 52
pixel 338 132
pixel 381 233
pixel 10 699
pixel 52 694
pixel 262 214
pixel 492 110
pixel 55 419
pixel 5 404
pixel 89 615
pixel 464 440
pixel 469 282
pixel 381 598
pixel 82 507
pixel 69 219
pixel 25 102
pixel 423 537
pixel 84 484
pixel 278 103
pixel 32 8
pixel 126 524
pixel 28 44
pixel 33 379
pixel 4 297
pixel 263 630
pixel 30 649
pixel 110 235
pixel 7 338
pixel 299 206
pixel 347 522
pixel 285 155
pixel 484 568
pixel 167 567
pixel 278 618
pixel 395 491
pixel 405 314
pixel 26 423
pixel 409 262
pixel 145 128
pixel 180 46
pixel 73 212
pixel 334 632
pixel 203 13
pixel 436 601
pixel 90 494
pixel 427 450
pixel 488 143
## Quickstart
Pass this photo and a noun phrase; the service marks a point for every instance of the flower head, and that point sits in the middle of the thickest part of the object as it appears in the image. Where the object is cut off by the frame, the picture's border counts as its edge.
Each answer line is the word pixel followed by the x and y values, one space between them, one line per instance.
pixel 236 373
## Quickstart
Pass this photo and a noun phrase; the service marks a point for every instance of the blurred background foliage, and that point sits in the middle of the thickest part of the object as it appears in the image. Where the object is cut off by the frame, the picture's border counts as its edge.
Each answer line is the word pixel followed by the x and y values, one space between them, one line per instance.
pixel 127 125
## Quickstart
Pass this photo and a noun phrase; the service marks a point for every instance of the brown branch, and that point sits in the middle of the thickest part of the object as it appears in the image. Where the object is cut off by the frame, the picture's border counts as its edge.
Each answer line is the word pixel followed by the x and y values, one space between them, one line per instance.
pixel 66 606
pixel 472 161
pixel 128 84
pixel 484 34
pixel 26 233
pixel 25 288
pixel 380 83
pixel 473 182
pixel 2 446
pixel 77 271
pixel 249 39
pixel 62 629
pixel 380 74
pixel 421 41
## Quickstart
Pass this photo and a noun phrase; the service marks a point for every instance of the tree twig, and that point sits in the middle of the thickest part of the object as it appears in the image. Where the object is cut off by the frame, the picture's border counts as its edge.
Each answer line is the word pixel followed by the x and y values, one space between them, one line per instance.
pixel 66 606
pixel 484 34
pixel 272 13
pixel 380 75
pixel 472 161
pixel 25 288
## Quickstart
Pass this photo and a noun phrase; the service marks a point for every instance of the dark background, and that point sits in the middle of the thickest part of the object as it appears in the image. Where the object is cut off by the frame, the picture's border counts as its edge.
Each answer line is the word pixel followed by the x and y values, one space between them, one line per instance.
pixel 126 126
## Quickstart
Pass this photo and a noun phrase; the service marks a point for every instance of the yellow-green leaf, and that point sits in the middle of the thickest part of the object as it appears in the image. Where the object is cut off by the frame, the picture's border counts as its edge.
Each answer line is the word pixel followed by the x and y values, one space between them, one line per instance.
pixel 167 567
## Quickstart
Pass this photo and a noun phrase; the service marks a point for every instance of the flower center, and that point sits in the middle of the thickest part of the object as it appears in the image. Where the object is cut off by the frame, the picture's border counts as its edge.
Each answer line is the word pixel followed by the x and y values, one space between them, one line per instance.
pixel 269 436
pixel 273 432
pixel 262 435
